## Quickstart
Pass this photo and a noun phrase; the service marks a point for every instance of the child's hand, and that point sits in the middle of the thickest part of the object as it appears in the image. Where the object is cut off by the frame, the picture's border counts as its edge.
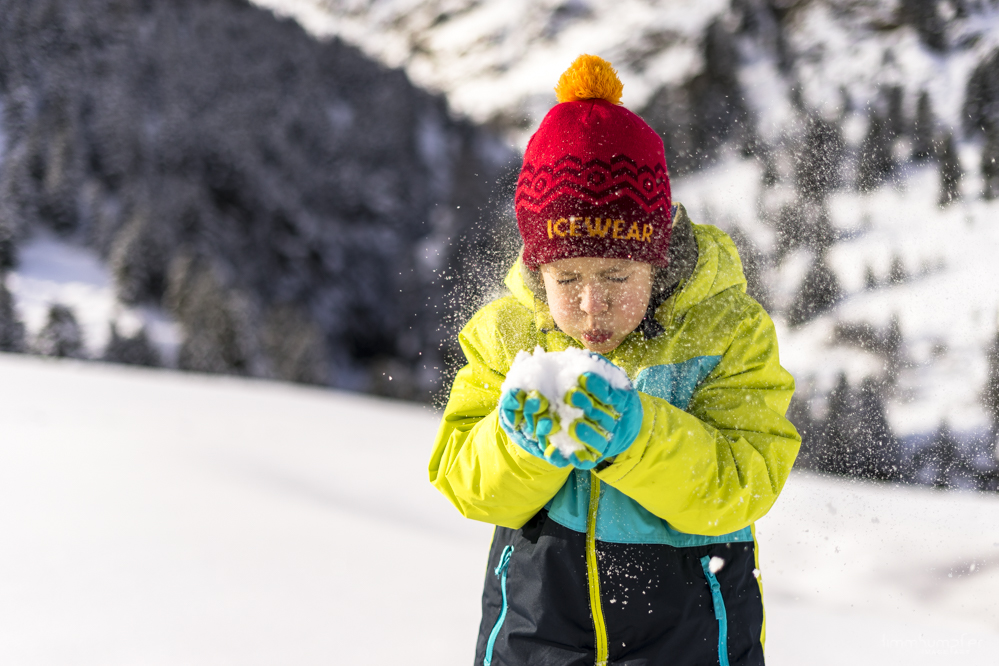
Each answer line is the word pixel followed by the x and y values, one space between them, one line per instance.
pixel 529 420
pixel 611 417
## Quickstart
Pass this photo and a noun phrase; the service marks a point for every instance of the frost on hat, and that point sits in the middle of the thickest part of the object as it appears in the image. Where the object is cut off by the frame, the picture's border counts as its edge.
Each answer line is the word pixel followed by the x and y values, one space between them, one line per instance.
pixel 594 181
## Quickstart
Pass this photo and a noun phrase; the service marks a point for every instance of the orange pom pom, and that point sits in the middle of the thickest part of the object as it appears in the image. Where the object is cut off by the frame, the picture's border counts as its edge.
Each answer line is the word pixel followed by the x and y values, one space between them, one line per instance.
pixel 589 77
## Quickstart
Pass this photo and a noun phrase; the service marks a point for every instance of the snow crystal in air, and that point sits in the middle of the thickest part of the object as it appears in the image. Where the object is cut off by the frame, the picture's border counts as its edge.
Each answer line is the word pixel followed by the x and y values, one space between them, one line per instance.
pixel 715 564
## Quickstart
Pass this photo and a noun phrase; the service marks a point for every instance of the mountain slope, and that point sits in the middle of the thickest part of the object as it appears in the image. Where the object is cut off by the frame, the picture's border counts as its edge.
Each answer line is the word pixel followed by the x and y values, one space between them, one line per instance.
pixel 290 203
pixel 848 146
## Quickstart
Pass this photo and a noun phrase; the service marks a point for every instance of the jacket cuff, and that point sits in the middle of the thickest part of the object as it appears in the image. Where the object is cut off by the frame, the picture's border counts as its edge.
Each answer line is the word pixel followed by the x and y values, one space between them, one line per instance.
pixel 625 462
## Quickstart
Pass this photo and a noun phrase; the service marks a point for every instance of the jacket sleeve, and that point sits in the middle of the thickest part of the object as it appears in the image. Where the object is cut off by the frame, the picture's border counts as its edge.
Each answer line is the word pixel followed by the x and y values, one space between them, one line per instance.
pixel 474 464
pixel 718 466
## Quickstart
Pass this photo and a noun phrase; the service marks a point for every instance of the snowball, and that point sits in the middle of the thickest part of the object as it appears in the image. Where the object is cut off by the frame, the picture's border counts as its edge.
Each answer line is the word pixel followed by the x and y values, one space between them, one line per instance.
pixel 552 374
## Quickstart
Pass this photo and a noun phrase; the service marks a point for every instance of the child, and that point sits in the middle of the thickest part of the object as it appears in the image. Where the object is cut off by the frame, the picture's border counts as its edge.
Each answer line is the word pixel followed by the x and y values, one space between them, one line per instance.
pixel 639 548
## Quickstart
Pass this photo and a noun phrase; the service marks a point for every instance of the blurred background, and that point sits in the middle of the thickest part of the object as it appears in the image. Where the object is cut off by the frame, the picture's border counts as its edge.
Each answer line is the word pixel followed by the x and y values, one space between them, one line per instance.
pixel 320 192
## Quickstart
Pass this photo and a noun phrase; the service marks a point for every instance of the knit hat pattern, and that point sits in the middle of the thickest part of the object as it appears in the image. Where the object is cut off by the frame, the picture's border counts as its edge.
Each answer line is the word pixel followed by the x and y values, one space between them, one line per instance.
pixel 594 181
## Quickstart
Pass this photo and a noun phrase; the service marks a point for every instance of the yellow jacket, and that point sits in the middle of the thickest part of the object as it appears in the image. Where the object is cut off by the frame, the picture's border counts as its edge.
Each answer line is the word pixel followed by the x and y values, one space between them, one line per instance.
pixel 710 465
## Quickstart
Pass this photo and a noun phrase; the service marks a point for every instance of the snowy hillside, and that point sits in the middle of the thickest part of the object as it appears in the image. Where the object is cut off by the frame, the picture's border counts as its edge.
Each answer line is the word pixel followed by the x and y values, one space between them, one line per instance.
pixel 152 517
pixel 249 182
pixel 851 148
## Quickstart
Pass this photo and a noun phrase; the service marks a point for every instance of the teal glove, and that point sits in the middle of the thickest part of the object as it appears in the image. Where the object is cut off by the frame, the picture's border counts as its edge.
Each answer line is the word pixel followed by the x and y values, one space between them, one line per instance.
pixel 611 417
pixel 529 421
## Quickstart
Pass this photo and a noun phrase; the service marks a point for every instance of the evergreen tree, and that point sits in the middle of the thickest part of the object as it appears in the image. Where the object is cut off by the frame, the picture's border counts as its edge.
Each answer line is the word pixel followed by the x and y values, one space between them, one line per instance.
pixel 892 349
pixel 295 346
pixel 950 171
pixel 771 174
pixel 878 454
pixel 896 120
pixel 839 431
pixel 942 458
pixel 8 251
pixel 990 163
pixel 897 273
pixel 134 350
pixel 981 97
pixel 11 328
pixel 877 163
pixel 817 165
pixel 790 221
pixel 819 292
pixel 924 16
pixel 870 279
pixel 990 396
pixel 61 336
pixel 137 263
pixel 924 129
pixel 219 332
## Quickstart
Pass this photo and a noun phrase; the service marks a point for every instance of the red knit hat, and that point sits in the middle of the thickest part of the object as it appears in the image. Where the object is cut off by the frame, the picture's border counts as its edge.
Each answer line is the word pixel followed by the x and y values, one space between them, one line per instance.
pixel 594 181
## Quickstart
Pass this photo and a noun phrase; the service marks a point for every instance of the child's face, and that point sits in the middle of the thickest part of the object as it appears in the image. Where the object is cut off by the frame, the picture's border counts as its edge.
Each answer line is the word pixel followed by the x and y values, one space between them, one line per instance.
pixel 598 301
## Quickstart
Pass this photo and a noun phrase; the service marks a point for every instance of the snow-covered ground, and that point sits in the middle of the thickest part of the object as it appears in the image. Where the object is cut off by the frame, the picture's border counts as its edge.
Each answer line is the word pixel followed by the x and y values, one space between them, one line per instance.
pixel 150 517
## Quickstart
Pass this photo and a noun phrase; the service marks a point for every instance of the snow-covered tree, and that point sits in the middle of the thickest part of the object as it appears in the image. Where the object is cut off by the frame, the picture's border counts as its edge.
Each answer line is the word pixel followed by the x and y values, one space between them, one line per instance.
pixel 295 346
pixel 877 162
pixel 819 291
pixel 61 336
pixel 11 329
pixel 136 349
pixel 818 163
pixel 878 451
pixel 924 129
pixel 990 395
pixel 950 171
pixel 942 460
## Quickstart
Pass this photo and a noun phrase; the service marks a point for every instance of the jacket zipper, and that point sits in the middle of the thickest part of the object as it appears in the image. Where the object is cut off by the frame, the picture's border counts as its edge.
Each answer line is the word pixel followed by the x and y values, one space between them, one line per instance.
pixel 599 628
pixel 500 572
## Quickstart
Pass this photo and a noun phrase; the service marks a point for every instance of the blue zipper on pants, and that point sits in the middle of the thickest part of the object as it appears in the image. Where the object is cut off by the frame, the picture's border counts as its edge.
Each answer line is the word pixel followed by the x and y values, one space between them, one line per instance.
pixel 720 614
pixel 500 571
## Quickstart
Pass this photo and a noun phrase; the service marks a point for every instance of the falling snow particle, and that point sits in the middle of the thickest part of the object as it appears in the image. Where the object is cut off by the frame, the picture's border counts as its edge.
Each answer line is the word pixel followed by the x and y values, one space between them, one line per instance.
pixel 716 564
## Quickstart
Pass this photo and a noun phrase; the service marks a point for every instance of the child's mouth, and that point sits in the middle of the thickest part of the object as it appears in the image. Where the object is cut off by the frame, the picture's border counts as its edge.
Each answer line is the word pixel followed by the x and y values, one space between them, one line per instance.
pixel 597 336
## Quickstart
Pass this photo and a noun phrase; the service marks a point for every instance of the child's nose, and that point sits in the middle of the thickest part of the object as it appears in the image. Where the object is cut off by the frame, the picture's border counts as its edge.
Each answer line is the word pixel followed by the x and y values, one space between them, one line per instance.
pixel 592 300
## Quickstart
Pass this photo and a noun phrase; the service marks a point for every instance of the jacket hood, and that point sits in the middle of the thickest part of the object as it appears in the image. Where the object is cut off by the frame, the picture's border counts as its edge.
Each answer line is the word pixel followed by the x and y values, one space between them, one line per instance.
pixel 718 268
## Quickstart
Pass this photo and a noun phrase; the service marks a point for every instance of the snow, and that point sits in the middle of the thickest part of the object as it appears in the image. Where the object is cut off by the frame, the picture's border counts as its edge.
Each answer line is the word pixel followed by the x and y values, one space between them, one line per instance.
pixel 504 57
pixel 947 313
pixel 553 374
pixel 151 517
pixel 52 270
